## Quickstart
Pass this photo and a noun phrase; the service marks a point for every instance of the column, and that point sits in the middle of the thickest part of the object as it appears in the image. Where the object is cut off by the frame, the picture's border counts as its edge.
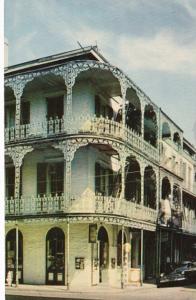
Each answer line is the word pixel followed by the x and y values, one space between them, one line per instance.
pixel 123 91
pixel 68 116
pixel 69 77
pixel 18 91
pixel 142 117
pixel 142 168
pixel 123 177
pixel 17 186
pixel 68 182
pixel 122 258
pixel 68 152
pixel 16 254
pixel 158 189
pixel 141 263
pixel 67 269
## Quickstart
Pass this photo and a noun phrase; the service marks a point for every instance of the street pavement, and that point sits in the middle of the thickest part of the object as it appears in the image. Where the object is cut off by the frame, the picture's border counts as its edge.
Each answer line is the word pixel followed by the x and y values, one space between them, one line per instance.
pixel 146 292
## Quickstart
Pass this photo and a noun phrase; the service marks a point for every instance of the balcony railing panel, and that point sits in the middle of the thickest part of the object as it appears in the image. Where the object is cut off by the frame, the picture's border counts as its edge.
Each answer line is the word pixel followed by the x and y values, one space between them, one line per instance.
pixel 91 125
pixel 92 204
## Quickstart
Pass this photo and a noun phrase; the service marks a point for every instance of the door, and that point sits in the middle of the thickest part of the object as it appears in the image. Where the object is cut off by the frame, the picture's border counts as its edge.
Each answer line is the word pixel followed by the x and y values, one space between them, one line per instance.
pixel 11 255
pixel 55 257
pixel 103 253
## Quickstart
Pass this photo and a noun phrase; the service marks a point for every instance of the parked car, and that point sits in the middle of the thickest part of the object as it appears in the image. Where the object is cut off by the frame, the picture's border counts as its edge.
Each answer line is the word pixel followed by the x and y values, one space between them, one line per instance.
pixel 184 273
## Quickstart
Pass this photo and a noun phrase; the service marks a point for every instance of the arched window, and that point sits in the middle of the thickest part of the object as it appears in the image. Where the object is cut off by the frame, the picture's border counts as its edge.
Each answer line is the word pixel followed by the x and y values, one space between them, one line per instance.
pixel 11 255
pixel 166 132
pixel 166 188
pixel 55 256
pixel 132 181
pixel 176 197
pixel 150 125
pixel 149 187
pixel 133 111
pixel 119 248
pixel 177 139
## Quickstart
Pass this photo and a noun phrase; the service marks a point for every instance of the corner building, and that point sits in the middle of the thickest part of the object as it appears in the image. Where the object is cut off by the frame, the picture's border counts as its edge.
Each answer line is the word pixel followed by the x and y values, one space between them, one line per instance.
pixel 100 183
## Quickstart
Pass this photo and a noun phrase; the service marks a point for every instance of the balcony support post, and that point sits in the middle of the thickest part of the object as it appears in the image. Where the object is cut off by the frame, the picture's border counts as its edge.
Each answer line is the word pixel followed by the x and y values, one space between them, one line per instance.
pixel 158 189
pixel 18 87
pixel 16 255
pixel 142 117
pixel 67 271
pixel 141 263
pixel 123 91
pixel 69 77
pixel 68 181
pixel 142 168
pixel 122 258
pixel 123 175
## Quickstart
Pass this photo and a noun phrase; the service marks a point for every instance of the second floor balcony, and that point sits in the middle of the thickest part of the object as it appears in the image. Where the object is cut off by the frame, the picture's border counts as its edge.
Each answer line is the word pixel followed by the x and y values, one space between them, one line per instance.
pixel 87 204
pixel 98 126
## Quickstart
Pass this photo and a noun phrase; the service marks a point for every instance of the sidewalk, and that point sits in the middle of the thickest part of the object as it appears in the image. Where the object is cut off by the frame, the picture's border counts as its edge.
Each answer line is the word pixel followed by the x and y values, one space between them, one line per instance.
pixel 95 292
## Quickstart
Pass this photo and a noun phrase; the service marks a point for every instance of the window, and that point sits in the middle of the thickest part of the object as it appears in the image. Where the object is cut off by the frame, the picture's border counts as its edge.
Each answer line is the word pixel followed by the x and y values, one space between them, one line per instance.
pixel 55 107
pixel 107 182
pixel 102 110
pixel 10 115
pixel 10 182
pixel 25 113
pixel 50 178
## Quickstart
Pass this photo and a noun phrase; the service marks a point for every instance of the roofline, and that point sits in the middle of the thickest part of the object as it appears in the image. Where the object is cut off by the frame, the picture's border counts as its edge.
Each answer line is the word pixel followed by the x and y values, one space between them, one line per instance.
pixel 189 144
pixel 40 62
pixel 171 120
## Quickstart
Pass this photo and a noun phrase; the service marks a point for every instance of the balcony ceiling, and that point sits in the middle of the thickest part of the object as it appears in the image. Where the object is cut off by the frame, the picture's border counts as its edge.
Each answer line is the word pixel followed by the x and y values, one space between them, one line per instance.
pixel 45 83
pixel 105 148
pixel 103 80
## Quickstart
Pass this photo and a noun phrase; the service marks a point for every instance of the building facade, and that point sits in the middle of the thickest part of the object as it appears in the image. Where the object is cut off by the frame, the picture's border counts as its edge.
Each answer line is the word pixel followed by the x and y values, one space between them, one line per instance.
pixel 100 183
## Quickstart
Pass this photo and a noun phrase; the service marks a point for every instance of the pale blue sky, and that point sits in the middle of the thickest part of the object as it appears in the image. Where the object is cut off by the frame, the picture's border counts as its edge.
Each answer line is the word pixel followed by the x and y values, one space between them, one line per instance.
pixel 153 41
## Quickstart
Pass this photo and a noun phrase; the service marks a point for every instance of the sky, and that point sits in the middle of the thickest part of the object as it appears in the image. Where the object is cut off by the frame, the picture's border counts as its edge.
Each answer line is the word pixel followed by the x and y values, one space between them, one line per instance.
pixel 152 41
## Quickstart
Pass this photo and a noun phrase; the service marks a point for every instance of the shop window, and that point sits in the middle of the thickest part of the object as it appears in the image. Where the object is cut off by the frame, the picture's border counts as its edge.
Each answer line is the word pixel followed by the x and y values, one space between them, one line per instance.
pixel 50 178
pixel 55 107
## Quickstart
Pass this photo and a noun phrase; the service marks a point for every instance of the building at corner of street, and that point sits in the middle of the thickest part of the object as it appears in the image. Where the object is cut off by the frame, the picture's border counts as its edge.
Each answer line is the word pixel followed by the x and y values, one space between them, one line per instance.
pixel 100 182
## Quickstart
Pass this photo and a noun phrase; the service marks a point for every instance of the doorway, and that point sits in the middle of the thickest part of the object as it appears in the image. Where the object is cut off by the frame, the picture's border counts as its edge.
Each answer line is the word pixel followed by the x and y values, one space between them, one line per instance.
pixel 55 257
pixel 103 253
pixel 11 255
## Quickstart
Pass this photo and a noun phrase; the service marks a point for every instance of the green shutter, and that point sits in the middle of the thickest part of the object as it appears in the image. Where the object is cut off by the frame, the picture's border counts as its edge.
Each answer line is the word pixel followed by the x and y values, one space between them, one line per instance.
pixel 41 178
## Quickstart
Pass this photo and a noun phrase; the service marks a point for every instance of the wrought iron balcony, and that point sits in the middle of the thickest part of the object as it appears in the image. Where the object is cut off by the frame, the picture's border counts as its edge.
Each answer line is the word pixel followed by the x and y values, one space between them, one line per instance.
pixel 26 206
pixel 81 125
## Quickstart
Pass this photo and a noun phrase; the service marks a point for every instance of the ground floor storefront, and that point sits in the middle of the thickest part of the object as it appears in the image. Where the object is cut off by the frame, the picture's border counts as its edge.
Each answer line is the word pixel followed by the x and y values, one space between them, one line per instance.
pixel 72 253
pixel 173 247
